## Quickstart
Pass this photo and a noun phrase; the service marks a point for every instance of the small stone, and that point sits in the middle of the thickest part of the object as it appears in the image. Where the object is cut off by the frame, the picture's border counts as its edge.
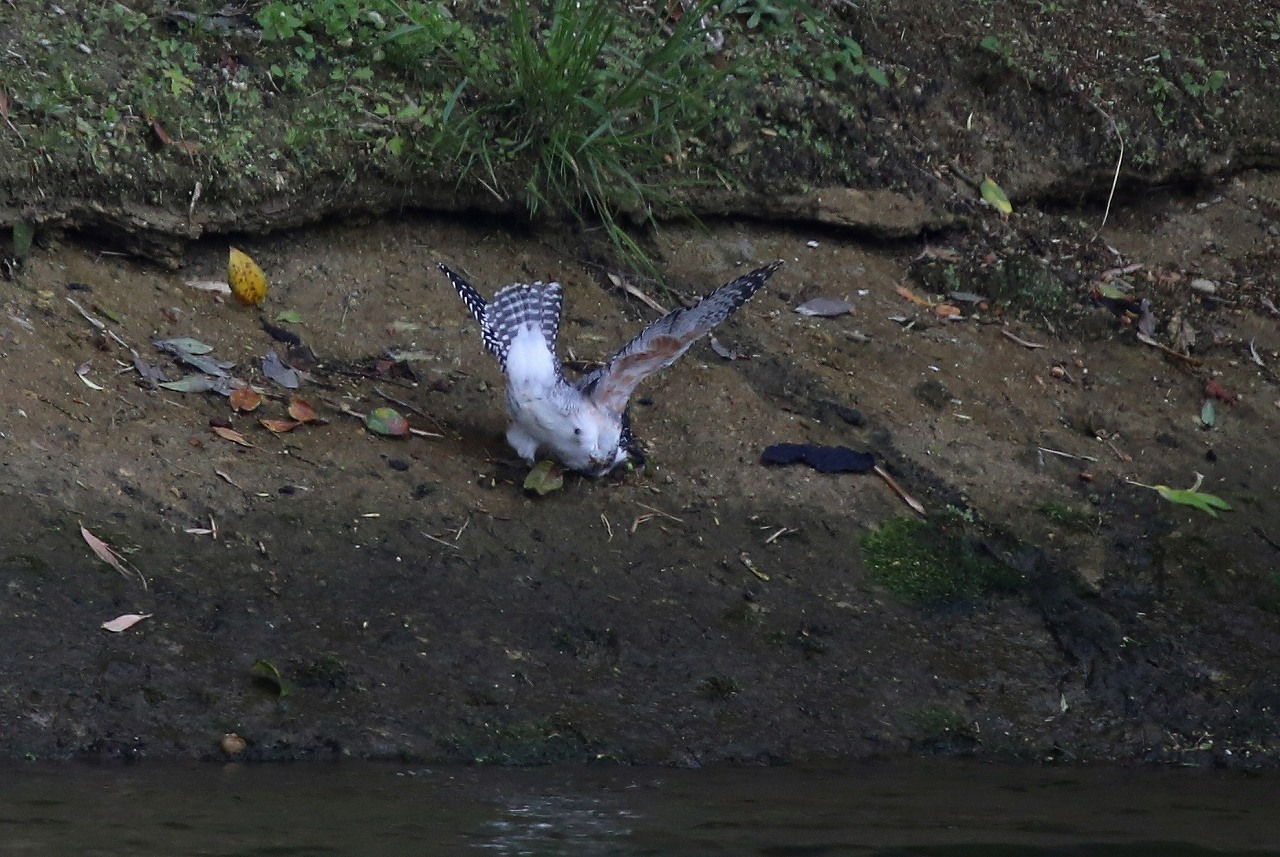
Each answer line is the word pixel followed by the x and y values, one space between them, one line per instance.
pixel 232 744
pixel 1200 284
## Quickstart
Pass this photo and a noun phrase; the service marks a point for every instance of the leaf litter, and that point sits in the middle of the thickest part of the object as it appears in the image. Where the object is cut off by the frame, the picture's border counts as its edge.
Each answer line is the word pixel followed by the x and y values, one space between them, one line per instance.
pixel 108 555
pixel 124 622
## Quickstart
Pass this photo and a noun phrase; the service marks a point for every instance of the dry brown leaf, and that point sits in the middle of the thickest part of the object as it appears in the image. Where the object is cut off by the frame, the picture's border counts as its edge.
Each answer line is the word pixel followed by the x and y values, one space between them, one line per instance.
pixel 301 410
pixel 104 551
pixel 245 399
pixel 124 622
pixel 946 310
pixel 161 134
pixel 233 436
pixel 219 287
pixel 911 296
pixel 280 426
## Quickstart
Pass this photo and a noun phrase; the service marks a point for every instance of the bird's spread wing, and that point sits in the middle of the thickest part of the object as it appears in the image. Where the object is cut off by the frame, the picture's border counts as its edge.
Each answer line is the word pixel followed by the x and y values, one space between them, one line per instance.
pixel 522 309
pixel 514 308
pixel 662 342
pixel 475 303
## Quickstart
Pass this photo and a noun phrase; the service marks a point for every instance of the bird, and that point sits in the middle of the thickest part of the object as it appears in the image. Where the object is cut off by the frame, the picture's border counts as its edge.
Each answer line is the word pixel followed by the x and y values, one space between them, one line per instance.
pixel 585 424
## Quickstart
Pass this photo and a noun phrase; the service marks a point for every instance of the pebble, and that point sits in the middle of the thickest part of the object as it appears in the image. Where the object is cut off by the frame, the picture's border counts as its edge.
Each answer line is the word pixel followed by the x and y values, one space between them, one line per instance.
pixel 1203 285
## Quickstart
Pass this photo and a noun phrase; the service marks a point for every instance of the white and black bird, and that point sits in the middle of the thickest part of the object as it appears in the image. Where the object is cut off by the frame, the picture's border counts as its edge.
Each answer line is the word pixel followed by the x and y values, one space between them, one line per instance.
pixel 585 425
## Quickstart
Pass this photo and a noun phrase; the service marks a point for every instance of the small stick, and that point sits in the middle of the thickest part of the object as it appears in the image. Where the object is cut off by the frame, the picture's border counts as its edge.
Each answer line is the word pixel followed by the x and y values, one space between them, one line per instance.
pixel 1147 340
pixel 1066 454
pixel 915 504
pixel 782 532
pixel 1018 339
pixel 441 541
pixel 659 512
pixel 1119 160
pixel 1120 455
pixel 396 401
pixel 607 526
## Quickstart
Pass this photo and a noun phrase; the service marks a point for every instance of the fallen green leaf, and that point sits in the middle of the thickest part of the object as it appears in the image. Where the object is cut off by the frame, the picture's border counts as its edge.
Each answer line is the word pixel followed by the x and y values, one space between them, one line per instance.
pixel 1109 291
pixel 545 477
pixel 995 197
pixel 1189 497
pixel 113 316
pixel 290 316
pixel 189 384
pixel 264 673
pixel 1207 415
pixel 387 422
pixel 184 344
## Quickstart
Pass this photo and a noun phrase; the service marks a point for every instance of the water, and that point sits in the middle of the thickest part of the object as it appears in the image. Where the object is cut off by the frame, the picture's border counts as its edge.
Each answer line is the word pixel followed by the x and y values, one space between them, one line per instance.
pixel 934 809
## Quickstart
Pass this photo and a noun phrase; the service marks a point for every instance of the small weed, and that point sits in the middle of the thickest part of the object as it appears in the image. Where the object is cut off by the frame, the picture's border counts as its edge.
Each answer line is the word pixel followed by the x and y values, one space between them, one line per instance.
pixel 930 565
pixel 944 730
pixel 1069 517
pixel 1002 50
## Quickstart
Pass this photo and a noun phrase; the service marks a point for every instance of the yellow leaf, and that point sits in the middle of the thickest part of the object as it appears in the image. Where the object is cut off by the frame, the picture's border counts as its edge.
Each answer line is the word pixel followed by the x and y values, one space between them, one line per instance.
pixel 992 193
pixel 248 283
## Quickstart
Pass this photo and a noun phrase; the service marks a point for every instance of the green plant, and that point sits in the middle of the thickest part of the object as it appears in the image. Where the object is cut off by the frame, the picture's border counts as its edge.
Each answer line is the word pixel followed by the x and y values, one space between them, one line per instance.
pixel 993 45
pixel 930 565
pixel 1069 517
pixel 580 111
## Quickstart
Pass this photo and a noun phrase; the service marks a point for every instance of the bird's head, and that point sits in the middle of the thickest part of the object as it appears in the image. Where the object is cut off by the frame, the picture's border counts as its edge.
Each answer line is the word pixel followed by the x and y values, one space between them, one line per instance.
pixel 600 442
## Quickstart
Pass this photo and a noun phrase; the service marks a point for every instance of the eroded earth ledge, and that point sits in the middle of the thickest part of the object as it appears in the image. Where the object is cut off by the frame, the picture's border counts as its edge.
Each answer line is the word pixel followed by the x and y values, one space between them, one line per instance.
pixel 329 592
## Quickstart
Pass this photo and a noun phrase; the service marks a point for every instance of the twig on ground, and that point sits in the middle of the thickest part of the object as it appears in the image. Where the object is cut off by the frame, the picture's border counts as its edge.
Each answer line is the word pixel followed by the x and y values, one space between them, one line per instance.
pixel 1062 454
pixel 1115 179
pixel 915 504
pixel 1018 339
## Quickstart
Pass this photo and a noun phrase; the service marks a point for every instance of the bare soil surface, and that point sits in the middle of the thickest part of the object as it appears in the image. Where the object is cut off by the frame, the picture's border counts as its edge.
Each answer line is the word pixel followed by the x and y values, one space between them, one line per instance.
pixel 416 603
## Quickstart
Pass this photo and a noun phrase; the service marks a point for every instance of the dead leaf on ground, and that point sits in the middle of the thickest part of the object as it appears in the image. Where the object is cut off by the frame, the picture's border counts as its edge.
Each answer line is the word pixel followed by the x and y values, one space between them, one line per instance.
pixel 245 399
pixel 103 550
pixel 720 349
pixel 906 292
pixel 82 372
pixel 545 477
pixel 946 311
pixel 825 307
pixel 1215 390
pixel 387 422
pixel 248 282
pixel 276 370
pixel 161 134
pixel 233 436
pixel 219 287
pixel 301 410
pixel 105 553
pixel 279 426
pixel 124 622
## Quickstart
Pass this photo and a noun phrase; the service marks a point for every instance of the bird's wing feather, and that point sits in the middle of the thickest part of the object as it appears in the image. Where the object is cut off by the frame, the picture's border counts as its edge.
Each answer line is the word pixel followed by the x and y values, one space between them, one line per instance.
pixel 511 308
pixel 662 342
pixel 475 303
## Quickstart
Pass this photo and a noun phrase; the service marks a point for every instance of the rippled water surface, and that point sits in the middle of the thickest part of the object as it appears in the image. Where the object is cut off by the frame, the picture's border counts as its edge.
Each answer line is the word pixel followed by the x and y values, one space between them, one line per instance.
pixel 882 809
